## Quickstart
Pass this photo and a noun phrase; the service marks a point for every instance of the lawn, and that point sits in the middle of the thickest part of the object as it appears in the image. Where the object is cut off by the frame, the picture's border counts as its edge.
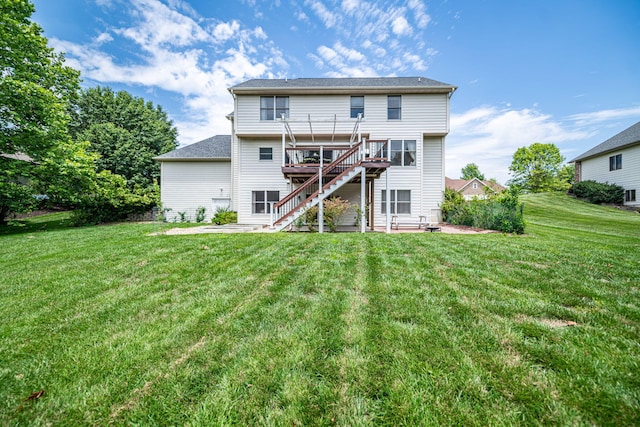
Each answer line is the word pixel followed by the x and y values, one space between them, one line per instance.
pixel 119 327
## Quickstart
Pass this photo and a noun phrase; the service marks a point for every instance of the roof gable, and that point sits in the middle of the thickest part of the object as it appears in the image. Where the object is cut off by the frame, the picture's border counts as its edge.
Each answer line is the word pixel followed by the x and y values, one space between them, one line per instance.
pixel 627 137
pixel 215 148
pixel 460 184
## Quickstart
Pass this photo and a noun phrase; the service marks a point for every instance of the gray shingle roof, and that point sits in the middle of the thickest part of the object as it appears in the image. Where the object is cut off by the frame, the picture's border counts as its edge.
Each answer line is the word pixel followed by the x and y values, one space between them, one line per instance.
pixel 215 148
pixel 343 83
pixel 627 137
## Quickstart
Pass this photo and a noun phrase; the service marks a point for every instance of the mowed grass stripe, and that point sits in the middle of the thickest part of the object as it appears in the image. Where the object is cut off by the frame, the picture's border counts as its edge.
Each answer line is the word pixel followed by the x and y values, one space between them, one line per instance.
pixel 424 329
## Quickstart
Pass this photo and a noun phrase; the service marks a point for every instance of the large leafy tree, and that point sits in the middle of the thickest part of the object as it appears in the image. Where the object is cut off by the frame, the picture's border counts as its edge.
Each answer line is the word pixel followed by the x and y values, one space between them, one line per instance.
pixel 125 131
pixel 35 91
pixel 471 171
pixel 538 168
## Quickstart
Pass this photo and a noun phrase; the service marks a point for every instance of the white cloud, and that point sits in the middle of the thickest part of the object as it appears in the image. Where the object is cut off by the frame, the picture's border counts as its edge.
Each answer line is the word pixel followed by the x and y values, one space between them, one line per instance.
pixel 328 18
pixel 401 27
pixel 605 115
pixel 422 18
pixel 488 136
pixel 103 38
pixel 174 53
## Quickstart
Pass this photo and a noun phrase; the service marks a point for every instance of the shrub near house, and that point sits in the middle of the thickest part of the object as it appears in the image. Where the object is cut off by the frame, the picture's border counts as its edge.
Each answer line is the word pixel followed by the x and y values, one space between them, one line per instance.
pixel 502 212
pixel 597 192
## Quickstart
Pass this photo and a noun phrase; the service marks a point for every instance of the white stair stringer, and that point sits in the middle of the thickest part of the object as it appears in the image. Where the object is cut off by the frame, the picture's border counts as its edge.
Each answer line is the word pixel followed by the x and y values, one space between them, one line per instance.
pixel 314 202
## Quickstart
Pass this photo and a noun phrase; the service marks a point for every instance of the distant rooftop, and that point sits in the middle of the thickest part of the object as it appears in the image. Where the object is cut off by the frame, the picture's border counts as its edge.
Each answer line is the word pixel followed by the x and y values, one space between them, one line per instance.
pixel 215 148
pixel 351 84
pixel 627 137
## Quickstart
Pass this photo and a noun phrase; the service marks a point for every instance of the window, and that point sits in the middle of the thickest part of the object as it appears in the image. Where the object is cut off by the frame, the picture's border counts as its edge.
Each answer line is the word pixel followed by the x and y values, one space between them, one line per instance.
pixel 357 106
pixel 273 107
pixel 475 185
pixel 394 107
pixel 266 153
pixel 630 196
pixel 403 152
pixel 615 162
pixel 261 201
pixel 400 201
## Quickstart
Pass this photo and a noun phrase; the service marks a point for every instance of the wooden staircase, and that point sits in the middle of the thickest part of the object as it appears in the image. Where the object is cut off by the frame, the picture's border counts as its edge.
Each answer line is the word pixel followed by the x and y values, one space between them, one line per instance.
pixel 327 180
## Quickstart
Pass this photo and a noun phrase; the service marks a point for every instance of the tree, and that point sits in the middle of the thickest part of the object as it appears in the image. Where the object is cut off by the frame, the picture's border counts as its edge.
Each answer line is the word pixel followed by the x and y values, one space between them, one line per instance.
pixel 125 131
pixel 538 168
pixel 35 92
pixel 471 171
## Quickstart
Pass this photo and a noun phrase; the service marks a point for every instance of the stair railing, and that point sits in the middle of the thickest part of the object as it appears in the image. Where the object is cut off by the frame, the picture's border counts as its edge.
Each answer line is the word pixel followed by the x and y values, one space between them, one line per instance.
pixel 288 205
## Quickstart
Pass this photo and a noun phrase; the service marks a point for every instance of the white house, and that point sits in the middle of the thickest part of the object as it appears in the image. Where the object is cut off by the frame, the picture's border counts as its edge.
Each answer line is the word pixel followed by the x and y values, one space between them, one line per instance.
pixel 616 161
pixel 198 175
pixel 296 142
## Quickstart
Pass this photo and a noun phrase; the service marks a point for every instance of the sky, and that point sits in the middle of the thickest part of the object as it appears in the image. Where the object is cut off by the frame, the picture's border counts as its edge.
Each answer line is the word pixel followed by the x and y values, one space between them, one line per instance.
pixel 565 72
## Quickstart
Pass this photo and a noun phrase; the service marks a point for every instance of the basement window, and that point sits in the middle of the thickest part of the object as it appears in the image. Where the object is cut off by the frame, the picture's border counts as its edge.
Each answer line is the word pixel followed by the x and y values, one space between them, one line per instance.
pixel 630 196
pixel 261 201
pixel 400 201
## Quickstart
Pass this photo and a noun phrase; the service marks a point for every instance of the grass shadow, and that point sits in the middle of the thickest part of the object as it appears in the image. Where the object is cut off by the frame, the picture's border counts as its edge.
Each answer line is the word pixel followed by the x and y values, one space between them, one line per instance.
pixel 46 222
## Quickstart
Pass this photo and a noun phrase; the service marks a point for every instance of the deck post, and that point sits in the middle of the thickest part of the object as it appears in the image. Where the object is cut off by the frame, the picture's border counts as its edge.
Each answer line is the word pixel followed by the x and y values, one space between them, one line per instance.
pixel 320 192
pixel 387 192
pixel 363 186
pixel 284 145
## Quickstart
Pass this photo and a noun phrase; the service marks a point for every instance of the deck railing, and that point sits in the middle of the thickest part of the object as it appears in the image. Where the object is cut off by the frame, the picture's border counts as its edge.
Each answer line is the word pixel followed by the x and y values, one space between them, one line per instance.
pixel 346 158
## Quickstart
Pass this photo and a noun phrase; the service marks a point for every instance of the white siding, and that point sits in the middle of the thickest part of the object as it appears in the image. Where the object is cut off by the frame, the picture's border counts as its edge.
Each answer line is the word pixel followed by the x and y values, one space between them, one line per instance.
pixel 425 112
pixel 597 169
pixel 424 119
pixel 258 175
pixel 433 178
pixel 187 185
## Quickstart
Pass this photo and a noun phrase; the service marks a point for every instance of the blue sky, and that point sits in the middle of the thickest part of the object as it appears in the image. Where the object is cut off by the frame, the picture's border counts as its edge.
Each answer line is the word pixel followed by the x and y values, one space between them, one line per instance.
pixel 562 71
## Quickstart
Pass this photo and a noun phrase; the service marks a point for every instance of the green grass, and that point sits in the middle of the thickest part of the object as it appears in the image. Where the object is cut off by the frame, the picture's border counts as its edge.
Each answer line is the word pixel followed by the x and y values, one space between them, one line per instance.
pixel 119 327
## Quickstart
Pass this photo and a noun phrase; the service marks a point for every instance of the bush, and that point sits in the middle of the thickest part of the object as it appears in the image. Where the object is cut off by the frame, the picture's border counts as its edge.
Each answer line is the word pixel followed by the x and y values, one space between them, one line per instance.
pixel 502 212
pixel 334 208
pixel 224 216
pixel 597 192
pixel 111 200
pixel 200 213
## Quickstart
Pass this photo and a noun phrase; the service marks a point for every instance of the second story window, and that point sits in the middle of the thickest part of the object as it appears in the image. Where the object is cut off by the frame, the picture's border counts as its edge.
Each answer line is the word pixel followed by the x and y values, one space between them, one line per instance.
pixel 615 162
pixel 394 107
pixel 357 106
pixel 273 107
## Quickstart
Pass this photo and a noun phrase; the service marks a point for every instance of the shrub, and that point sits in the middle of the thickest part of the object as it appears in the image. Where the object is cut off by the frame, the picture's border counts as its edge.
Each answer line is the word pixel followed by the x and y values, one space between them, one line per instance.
pixel 334 208
pixel 503 212
pixel 597 192
pixel 200 213
pixel 111 200
pixel 224 216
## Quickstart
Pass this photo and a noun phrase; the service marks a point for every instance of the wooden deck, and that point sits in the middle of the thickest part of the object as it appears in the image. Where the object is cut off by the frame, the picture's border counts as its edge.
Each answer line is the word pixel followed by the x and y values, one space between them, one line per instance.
pixel 299 173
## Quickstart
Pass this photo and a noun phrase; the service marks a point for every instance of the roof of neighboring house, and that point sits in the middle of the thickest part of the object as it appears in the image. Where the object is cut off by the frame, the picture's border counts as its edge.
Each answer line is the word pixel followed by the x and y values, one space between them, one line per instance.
pixel 351 85
pixel 215 148
pixel 461 184
pixel 627 137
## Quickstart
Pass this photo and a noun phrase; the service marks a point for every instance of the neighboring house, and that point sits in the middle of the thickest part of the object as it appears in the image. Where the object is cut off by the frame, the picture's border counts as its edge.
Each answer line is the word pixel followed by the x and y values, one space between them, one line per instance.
pixel 363 138
pixel 615 161
pixel 196 175
pixel 470 188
